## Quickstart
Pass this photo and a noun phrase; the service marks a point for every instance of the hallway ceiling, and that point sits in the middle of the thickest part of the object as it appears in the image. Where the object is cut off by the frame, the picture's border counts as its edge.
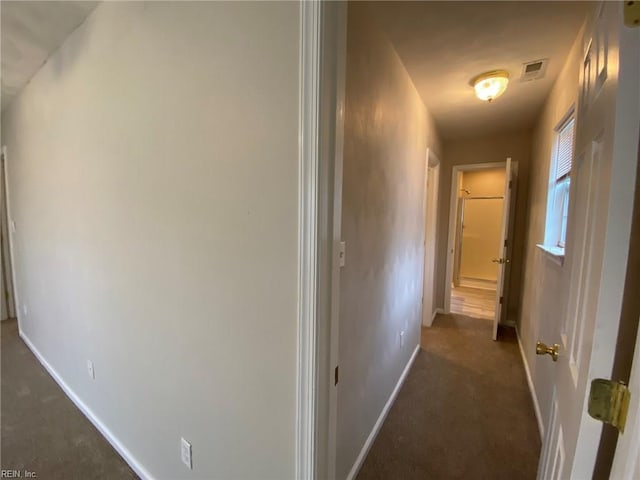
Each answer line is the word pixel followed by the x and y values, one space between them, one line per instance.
pixel 444 44
pixel 30 32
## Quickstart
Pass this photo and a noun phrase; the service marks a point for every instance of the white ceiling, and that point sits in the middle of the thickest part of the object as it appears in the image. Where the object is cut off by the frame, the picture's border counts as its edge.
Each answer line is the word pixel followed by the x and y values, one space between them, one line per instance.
pixel 444 44
pixel 30 32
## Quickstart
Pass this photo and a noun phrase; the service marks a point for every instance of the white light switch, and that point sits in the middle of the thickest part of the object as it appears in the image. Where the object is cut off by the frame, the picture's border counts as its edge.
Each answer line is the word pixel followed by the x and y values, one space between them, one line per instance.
pixel 342 252
pixel 92 372
pixel 13 226
pixel 185 453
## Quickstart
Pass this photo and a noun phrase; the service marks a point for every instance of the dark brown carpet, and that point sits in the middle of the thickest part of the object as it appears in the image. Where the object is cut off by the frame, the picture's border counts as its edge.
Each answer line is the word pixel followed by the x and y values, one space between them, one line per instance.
pixel 42 430
pixel 465 410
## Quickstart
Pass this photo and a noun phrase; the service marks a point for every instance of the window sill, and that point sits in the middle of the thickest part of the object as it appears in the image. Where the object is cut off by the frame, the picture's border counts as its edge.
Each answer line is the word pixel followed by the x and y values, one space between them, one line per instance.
pixel 555 254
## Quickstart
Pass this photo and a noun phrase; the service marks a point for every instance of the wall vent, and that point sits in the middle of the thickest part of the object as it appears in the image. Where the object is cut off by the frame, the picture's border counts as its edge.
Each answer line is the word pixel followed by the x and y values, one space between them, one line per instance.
pixel 534 70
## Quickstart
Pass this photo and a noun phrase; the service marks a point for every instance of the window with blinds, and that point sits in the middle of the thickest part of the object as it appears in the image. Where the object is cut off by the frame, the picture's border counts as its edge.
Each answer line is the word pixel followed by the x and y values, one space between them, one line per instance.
pixel 564 153
pixel 559 185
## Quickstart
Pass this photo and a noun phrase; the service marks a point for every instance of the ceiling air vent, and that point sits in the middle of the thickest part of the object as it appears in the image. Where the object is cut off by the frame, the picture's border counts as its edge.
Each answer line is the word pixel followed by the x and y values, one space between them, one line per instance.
pixel 534 70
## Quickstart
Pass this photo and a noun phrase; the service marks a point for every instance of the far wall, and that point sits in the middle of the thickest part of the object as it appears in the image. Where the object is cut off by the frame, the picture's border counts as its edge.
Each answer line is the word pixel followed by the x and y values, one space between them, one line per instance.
pixel 486 149
pixel 482 223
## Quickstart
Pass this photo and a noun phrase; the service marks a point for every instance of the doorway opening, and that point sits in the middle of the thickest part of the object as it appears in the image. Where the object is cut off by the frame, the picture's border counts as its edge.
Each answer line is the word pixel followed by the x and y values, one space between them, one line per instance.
pixel 432 177
pixel 7 301
pixel 479 221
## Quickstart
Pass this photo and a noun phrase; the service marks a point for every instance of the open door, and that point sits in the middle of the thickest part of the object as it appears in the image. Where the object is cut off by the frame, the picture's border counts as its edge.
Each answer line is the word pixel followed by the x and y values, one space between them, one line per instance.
pixel 502 248
pixel 598 238
pixel 626 463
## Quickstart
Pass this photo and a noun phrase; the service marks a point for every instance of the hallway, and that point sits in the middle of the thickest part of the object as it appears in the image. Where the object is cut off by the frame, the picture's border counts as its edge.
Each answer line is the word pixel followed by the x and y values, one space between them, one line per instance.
pixel 464 411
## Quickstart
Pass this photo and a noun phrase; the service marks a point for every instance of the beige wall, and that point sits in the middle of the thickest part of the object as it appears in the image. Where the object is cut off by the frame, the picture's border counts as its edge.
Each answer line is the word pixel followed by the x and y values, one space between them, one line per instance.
pixel 481 236
pixel 387 131
pixel 153 171
pixel 483 183
pixel 482 223
pixel 542 287
pixel 494 148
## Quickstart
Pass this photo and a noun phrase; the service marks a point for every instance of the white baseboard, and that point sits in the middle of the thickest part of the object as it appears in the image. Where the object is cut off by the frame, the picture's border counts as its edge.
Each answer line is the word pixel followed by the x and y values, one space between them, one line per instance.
pixel 383 415
pixel 433 317
pixel 534 397
pixel 102 428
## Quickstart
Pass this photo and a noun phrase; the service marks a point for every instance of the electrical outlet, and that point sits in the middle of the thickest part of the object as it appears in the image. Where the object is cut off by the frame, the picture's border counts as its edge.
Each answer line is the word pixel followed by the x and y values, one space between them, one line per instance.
pixel 185 453
pixel 92 372
pixel 402 338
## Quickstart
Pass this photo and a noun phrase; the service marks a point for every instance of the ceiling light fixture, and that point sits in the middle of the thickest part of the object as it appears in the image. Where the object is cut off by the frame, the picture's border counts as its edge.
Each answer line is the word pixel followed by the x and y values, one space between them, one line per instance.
pixel 490 85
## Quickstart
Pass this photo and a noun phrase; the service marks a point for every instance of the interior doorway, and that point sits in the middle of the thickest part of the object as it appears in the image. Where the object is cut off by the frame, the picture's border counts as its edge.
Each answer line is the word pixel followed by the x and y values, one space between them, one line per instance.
pixel 432 179
pixel 7 302
pixel 479 226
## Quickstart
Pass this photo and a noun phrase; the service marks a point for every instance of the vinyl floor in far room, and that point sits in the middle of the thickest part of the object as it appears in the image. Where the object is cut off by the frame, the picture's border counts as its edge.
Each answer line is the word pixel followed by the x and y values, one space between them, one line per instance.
pixel 42 430
pixel 474 302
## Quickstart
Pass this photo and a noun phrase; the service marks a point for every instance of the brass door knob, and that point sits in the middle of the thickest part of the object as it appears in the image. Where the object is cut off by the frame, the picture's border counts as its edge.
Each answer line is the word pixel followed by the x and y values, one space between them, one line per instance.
pixel 501 260
pixel 542 349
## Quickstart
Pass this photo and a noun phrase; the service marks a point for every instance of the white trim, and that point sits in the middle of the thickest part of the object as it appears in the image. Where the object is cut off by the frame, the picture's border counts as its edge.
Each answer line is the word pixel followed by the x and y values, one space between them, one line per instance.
pixel 308 128
pixel 124 452
pixel 453 203
pixel 16 297
pixel 555 254
pixel 430 215
pixel 433 317
pixel 334 18
pixel 532 389
pixel 383 415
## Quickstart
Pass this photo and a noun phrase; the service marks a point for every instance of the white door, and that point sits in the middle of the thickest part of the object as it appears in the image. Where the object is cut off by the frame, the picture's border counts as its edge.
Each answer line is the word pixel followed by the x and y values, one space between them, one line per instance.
pixel 626 463
pixel 503 260
pixel 601 206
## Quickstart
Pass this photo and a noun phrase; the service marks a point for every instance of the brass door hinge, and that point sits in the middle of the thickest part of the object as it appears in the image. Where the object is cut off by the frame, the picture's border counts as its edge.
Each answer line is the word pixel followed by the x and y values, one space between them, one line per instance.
pixel 632 13
pixel 609 402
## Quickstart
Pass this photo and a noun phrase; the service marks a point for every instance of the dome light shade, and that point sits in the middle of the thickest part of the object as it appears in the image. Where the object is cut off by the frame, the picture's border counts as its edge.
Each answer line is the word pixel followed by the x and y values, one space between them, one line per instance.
pixel 490 85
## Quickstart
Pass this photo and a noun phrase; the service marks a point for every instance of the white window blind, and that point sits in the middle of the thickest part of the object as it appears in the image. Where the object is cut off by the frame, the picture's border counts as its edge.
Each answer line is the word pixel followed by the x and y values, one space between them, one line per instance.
pixel 565 150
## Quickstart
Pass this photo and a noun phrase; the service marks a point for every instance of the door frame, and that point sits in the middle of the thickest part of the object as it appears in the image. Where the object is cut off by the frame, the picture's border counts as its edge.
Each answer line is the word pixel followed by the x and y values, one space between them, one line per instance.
pixel 431 174
pixel 453 209
pixel 13 301
pixel 322 45
pixel 308 167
